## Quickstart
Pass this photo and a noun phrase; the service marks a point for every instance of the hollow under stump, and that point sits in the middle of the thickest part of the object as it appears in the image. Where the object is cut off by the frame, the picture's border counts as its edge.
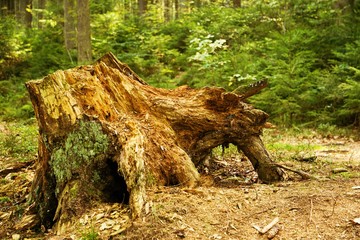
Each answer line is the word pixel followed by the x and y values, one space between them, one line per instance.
pixel 106 135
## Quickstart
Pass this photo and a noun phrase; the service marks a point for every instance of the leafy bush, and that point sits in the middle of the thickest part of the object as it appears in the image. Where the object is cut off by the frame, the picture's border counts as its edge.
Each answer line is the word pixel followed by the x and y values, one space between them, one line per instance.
pixel 307 50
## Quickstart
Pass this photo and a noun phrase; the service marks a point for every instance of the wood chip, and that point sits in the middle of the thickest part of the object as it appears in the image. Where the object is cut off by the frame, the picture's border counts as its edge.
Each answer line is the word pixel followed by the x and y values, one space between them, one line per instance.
pixel 27 221
pixel 272 232
pixel 339 170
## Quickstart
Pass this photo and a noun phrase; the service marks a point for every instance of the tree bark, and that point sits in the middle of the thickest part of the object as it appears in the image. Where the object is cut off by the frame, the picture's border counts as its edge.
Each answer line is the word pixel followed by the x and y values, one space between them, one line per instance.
pixel 106 135
pixel 70 17
pixel 83 32
pixel 21 13
pixel 236 3
pixel 142 5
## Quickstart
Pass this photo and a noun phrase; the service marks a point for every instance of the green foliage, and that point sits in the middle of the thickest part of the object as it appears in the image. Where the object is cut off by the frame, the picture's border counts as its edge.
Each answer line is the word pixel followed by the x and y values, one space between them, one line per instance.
pixel 12 47
pixel 19 141
pixel 4 200
pixel 14 100
pixel 91 234
pixel 83 148
pixel 48 53
pixel 307 50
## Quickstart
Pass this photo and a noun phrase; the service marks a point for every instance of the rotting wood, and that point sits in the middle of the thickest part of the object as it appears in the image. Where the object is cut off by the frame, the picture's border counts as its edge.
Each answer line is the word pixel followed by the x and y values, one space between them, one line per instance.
pixel 106 135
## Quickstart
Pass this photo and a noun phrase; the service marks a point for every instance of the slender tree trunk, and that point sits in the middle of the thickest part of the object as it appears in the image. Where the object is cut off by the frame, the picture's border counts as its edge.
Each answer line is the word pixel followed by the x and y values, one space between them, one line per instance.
pixel 27 14
pixel 236 3
pixel 70 18
pixel 7 7
pixel 176 9
pixel 142 7
pixel 83 32
pixel 167 10
pixel 21 12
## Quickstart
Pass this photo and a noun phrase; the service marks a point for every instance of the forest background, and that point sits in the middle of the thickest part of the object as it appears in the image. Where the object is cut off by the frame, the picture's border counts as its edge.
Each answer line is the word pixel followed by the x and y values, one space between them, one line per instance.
pixel 309 51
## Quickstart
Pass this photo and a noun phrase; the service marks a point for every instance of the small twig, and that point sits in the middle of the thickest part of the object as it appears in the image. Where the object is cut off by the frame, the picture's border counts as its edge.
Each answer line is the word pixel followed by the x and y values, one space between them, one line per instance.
pixel 311 214
pixel 333 208
pixel 15 167
pixel 311 210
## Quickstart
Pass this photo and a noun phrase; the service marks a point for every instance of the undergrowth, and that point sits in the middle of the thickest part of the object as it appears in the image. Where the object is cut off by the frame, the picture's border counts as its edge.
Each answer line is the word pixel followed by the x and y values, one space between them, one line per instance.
pixel 18 140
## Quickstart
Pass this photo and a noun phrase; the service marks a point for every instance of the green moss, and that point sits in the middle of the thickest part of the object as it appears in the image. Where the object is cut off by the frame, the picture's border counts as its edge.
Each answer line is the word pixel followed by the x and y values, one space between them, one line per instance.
pixel 150 179
pixel 74 190
pixel 91 234
pixel 4 199
pixel 82 149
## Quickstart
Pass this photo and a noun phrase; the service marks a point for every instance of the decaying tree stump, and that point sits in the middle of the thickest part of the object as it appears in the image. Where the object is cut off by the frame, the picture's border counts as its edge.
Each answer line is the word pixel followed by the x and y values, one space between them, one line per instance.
pixel 105 135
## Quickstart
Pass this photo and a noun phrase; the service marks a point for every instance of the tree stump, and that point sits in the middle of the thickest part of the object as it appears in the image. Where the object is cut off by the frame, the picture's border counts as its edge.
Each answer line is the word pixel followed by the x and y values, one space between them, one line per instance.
pixel 106 135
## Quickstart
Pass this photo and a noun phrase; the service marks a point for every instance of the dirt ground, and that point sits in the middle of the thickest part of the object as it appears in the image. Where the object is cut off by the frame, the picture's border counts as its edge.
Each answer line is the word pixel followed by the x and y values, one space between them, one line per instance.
pixel 228 204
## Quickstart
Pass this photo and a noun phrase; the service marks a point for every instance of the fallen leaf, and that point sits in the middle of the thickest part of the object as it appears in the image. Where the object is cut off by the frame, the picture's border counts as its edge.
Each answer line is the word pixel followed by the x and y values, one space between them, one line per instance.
pixel 16 236
pixel 99 216
pixel 216 236
pixel 116 227
pixel 106 225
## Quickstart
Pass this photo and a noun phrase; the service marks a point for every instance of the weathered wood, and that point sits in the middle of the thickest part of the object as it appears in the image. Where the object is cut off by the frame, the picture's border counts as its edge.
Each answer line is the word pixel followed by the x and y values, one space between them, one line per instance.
pixel 105 135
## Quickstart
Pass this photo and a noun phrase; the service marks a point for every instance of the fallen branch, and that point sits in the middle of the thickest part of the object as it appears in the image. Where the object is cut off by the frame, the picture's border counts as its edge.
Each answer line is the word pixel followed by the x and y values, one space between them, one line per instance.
pixel 15 167
pixel 303 174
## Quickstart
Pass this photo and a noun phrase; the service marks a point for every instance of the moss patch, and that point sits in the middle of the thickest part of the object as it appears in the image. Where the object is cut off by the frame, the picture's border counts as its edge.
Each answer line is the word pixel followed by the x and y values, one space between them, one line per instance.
pixel 83 149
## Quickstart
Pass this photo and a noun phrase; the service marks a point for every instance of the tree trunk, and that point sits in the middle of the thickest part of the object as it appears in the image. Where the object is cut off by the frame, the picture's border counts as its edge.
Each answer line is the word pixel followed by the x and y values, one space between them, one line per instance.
pixel 21 12
pixel 70 17
pixel 167 10
pixel 83 32
pixel 40 15
pixel 176 9
pixel 236 3
pixel 142 5
pixel 106 135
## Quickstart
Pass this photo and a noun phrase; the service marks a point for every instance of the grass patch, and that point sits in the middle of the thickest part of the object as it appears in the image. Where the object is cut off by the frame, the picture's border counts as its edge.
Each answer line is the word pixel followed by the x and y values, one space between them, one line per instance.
pixel 225 151
pixel 4 199
pixel 91 234
pixel 19 140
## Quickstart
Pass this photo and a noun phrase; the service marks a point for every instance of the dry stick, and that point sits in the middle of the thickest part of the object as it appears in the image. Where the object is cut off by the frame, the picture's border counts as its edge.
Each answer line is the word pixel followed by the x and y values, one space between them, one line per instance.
pixel 303 174
pixel 267 227
pixel 270 225
pixel 333 207
pixel 311 210
pixel 311 213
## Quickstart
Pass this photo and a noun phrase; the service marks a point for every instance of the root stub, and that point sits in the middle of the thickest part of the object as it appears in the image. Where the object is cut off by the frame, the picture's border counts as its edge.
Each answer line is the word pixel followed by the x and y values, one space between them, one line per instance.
pixel 104 132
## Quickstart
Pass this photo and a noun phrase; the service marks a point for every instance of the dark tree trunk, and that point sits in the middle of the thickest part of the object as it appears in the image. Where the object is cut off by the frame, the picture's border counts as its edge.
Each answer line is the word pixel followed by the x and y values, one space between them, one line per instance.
pixel 236 3
pixel 105 134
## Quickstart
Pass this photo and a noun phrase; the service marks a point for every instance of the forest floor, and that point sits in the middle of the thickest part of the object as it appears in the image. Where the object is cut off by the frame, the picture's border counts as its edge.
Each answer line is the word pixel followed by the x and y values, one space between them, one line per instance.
pixel 229 203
